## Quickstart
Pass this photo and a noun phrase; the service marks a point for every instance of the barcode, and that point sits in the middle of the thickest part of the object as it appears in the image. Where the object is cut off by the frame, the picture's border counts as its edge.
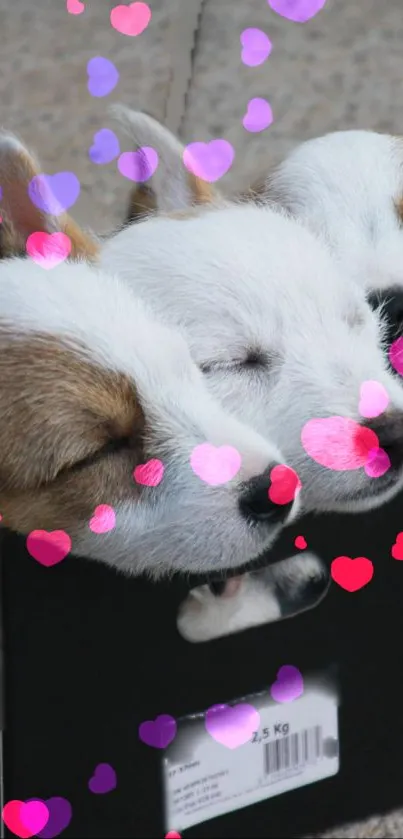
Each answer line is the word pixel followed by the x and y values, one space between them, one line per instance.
pixel 294 751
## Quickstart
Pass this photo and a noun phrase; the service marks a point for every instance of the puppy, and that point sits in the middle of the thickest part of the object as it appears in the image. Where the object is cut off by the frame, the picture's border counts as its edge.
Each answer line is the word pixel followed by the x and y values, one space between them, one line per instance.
pixel 94 386
pixel 278 329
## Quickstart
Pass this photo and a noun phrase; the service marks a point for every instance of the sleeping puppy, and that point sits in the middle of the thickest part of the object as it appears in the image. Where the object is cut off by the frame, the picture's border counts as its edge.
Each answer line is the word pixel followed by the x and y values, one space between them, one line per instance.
pixel 348 188
pixel 279 331
pixel 93 386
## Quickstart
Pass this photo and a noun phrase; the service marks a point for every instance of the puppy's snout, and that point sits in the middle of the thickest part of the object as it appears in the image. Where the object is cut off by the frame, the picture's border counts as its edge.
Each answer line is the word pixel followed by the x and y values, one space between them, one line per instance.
pixel 389 430
pixel 255 502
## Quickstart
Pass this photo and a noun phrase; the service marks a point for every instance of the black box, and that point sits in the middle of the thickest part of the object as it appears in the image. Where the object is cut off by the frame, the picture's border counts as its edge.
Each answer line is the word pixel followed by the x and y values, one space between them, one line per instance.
pixel 90 655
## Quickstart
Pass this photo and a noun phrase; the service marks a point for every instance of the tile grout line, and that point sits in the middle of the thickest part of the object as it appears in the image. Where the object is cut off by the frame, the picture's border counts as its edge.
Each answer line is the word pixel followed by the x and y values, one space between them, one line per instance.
pixel 183 37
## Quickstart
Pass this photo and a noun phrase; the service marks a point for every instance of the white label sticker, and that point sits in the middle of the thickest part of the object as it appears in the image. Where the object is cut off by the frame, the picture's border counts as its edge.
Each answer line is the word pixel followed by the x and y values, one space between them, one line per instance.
pixel 296 744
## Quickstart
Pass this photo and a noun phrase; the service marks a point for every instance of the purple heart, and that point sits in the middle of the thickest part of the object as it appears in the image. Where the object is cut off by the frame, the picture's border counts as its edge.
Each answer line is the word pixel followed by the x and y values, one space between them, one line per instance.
pixel 289 684
pixel 138 165
pixel 299 11
pixel 106 146
pixel 60 813
pixel 259 115
pixel 103 780
pixel 209 161
pixel 159 732
pixel 232 725
pixel 102 76
pixel 256 47
pixel 54 193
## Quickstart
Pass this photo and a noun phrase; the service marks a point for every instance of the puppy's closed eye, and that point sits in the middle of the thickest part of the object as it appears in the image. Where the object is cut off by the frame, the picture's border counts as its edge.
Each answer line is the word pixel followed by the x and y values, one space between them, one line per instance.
pixel 253 360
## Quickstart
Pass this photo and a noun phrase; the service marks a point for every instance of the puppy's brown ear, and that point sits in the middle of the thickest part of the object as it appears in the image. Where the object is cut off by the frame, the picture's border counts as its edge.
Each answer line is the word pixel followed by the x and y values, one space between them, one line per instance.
pixel 172 187
pixel 20 216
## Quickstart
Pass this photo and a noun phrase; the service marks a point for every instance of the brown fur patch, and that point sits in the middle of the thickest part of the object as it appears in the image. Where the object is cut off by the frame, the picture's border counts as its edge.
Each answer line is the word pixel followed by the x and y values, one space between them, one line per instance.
pixel 20 217
pixel 61 414
pixel 399 208
pixel 143 201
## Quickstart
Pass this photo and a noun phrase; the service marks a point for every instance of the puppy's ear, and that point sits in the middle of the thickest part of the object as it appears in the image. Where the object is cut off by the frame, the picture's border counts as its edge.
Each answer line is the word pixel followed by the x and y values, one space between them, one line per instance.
pixel 172 187
pixel 20 216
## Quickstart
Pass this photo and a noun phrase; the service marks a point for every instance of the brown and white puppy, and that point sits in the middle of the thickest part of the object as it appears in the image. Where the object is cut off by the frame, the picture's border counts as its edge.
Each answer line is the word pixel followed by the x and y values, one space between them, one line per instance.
pixel 93 385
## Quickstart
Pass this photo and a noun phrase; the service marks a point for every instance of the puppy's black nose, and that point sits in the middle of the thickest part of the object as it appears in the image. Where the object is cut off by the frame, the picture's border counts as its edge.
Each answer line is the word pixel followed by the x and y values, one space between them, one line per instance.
pixel 391 301
pixel 256 505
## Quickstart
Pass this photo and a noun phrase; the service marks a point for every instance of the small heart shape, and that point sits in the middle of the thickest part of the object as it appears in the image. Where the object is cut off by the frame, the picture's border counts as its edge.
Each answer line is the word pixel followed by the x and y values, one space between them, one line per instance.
pixel 396 355
pixel 397 548
pixel 48 548
pixel 48 249
pixel 158 733
pixel 75 7
pixel 25 818
pixel 338 443
pixel 352 574
pixel 289 684
pixel 173 834
pixel 138 166
pixel 105 147
pixel 232 725
pixel 377 463
pixel 131 20
pixel 209 161
pixel 103 520
pixel 299 11
pixel 102 76
pixel 259 115
pixel 256 47
pixel 285 484
pixel 374 399
pixel 54 194
pixel 300 543
pixel 103 780
pixel 149 474
pixel 215 465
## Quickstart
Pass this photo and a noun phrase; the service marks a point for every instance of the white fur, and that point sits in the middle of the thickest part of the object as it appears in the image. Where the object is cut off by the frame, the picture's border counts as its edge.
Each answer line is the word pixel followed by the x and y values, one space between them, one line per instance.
pixel 182 524
pixel 344 187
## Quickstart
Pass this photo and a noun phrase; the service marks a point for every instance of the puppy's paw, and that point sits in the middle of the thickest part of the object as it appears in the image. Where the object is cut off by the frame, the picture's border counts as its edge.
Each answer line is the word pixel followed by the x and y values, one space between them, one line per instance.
pixel 203 616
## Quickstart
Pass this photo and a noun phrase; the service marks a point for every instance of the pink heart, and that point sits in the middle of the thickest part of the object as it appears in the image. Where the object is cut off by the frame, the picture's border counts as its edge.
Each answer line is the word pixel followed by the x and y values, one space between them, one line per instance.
pixel 289 684
pixel 132 19
pixel 48 548
pixel 300 543
pixel 48 249
pixel 103 520
pixel 377 463
pixel 299 11
pixel 285 484
pixel 75 7
pixel 338 443
pixel 138 165
pixel 209 161
pixel 396 355
pixel 25 819
pixel 215 465
pixel 256 47
pixel 259 115
pixel 173 834
pixel 373 399
pixel 232 726
pixel 149 474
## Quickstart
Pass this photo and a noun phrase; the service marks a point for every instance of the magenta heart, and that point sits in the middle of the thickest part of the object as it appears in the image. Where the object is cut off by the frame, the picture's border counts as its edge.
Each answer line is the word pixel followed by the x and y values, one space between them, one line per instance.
pixel 159 732
pixel 138 165
pixel 377 463
pixel 299 11
pixel 106 146
pixel 54 194
pixel 209 161
pixel 258 116
pixel 396 355
pixel 232 726
pixel 60 815
pixel 103 780
pixel 256 47
pixel 289 684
